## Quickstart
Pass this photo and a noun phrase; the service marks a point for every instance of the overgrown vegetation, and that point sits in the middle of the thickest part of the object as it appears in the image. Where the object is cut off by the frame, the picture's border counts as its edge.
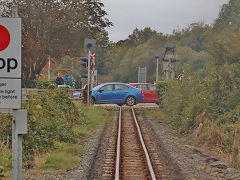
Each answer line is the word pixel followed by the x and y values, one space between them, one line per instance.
pixel 213 101
pixel 56 129
pixel 5 156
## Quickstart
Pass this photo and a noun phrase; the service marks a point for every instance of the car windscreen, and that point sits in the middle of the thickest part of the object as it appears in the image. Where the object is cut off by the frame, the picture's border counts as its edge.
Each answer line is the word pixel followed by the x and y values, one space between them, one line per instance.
pixel 151 87
pixel 97 87
pixel 108 87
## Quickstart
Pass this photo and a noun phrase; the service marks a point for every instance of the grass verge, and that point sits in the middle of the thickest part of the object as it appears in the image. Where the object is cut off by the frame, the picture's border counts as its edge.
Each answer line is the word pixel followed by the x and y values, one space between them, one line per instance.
pixel 66 155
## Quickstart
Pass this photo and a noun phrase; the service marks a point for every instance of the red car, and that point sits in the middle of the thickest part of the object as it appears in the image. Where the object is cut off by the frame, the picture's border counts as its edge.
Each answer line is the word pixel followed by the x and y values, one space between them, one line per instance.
pixel 149 94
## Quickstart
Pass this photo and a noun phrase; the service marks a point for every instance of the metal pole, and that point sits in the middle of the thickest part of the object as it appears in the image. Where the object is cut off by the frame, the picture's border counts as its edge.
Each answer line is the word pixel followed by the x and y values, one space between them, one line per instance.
pixel 157 71
pixel 89 77
pixel 145 74
pixel 96 74
pixel 16 138
pixel 49 67
pixel 14 149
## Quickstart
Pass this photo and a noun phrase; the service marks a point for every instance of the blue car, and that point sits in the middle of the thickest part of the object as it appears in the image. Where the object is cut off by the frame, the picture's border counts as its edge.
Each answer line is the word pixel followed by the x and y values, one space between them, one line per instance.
pixel 116 93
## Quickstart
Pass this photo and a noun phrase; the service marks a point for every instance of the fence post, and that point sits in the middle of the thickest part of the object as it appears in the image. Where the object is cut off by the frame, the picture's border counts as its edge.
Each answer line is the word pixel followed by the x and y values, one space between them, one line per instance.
pixel 199 131
pixel 235 145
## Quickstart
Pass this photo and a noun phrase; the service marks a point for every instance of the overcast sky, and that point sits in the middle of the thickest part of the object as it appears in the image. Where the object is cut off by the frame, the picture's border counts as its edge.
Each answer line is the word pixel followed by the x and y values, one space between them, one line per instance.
pixel 160 15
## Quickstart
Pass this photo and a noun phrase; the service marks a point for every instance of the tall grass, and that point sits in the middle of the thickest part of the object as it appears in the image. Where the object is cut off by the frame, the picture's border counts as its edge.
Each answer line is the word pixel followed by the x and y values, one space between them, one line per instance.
pixel 5 150
pixel 5 156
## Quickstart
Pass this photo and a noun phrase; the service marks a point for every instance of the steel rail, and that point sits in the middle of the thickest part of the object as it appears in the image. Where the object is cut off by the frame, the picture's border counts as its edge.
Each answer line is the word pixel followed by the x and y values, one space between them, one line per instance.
pixel 144 148
pixel 118 145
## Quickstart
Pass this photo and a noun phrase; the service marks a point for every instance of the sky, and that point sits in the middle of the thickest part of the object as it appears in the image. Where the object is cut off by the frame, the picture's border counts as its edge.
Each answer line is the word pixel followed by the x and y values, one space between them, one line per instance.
pixel 161 15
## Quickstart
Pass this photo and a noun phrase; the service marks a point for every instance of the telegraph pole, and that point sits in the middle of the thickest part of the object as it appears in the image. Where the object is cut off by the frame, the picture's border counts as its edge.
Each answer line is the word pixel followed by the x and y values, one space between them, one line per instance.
pixel 157 57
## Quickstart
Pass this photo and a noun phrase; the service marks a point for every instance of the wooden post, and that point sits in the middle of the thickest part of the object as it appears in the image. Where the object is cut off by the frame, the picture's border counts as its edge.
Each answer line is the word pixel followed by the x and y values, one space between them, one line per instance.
pixel 236 145
pixel 199 131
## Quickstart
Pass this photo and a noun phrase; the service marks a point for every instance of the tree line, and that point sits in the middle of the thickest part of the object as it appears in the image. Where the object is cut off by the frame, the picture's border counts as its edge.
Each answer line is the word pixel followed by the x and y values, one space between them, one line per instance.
pixel 199 47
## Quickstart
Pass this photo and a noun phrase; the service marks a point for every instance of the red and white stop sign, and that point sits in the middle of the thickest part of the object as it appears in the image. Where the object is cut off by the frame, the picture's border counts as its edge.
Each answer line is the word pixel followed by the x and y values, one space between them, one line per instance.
pixel 10 63
pixel 10 47
pixel 4 38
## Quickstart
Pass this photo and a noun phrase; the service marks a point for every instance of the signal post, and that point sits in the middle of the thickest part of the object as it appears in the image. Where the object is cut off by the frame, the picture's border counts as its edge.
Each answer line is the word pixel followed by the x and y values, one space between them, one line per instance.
pixel 89 44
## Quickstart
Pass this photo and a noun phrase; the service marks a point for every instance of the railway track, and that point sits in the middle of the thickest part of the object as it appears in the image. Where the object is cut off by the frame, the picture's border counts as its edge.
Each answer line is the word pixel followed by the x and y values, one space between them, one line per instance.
pixel 128 156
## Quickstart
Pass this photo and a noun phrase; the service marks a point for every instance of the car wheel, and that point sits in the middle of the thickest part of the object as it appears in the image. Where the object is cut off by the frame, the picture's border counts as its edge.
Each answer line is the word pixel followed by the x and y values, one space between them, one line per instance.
pixel 92 101
pixel 130 101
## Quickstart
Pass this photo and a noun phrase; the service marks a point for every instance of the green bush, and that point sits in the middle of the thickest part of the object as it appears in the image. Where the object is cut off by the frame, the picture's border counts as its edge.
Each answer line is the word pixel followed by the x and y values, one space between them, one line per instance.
pixel 45 84
pixel 161 88
pixel 51 118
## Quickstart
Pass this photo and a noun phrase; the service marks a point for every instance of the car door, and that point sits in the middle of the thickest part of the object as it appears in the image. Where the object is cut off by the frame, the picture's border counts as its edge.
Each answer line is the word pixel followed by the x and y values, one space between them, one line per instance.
pixel 106 94
pixel 146 93
pixel 120 93
pixel 153 96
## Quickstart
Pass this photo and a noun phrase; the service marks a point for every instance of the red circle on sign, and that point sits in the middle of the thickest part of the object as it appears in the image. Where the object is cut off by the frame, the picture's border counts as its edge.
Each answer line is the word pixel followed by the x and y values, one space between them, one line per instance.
pixel 4 38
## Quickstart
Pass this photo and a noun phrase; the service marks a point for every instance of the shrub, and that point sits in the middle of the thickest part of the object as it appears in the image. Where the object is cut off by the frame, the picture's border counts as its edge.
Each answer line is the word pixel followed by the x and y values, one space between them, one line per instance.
pixel 51 117
pixel 161 88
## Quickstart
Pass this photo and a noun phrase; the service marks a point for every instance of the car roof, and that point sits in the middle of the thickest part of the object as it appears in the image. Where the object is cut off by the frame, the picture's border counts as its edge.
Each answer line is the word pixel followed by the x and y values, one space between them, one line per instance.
pixel 114 83
pixel 140 83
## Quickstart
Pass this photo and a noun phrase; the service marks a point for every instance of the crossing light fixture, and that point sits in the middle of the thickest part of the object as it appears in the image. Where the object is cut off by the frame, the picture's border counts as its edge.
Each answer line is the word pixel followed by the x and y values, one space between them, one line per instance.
pixel 89 44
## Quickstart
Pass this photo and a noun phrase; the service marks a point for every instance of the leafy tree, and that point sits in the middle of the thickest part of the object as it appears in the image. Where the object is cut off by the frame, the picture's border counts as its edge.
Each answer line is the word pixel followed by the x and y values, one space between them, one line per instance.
pixel 224 46
pixel 195 36
pixel 228 15
pixel 55 28
pixel 103 62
